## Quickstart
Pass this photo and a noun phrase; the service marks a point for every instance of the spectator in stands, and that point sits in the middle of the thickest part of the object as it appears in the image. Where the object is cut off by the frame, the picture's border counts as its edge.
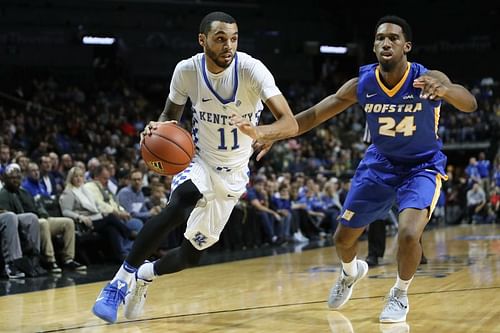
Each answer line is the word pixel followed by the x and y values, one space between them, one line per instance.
pixel 157 198
pixel 122 177
pixel 496 173
pixel 106 201
pixel 495 203
pixel 472 172
pixel 79 204
pixel 476 203
pixel 92 164
pixel 143 167
pixel 47 179
pixel 33 184
pixel 16 199
pixel 331 205
pixel 258 199
pixel 313 203
pixel 4 157
pixel 55 172
pixel 484 169
pixel 344 189
pixel 28 222
pixel 10 244
pixel 133 201
pixel 66 164
pixel 112 184
pixel 22 160
pixel 282 203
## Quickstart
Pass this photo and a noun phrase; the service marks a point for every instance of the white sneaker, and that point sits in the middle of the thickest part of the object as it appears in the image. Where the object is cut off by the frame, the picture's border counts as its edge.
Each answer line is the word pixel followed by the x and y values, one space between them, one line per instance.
pixel 396 307
pixel 134 302
pixel 342 290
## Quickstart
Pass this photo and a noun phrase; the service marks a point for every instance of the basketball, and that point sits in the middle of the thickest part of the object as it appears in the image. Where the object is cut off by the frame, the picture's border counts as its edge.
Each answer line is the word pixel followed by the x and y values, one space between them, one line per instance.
pixel 168 150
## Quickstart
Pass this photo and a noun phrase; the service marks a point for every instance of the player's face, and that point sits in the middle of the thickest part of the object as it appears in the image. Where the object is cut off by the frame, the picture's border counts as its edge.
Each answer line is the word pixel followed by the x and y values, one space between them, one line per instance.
pixel 221 43
pixel 390 46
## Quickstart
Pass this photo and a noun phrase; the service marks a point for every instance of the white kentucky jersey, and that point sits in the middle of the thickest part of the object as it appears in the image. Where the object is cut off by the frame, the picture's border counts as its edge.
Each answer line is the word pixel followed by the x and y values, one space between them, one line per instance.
pixel 240 88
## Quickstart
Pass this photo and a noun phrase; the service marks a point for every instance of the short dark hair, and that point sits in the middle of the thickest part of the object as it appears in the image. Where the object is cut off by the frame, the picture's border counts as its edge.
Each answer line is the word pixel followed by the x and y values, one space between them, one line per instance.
pixel 206 22
pixel 398 21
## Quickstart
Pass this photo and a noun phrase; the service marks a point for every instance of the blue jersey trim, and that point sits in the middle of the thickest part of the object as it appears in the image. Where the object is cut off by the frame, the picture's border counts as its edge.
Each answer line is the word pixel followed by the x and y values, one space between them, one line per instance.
pixel 209 85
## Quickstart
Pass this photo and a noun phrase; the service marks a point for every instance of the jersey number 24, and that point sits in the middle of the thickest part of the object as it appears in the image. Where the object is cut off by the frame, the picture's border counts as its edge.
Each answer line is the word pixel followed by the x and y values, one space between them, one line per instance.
pixel 389 127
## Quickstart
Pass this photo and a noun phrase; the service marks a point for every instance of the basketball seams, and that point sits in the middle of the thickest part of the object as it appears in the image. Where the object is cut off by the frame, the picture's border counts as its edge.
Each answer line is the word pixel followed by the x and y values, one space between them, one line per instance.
pixel 186 133
pixel 190 138
pixel 161 158
pixel 175 143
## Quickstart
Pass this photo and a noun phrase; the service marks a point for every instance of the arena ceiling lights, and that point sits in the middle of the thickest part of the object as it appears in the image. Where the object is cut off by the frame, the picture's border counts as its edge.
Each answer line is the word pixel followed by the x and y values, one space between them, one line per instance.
pixel 332 49
pixel 98 40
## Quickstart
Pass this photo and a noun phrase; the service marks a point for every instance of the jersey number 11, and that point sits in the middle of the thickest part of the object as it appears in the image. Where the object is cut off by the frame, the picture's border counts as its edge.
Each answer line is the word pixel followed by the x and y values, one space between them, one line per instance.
pixel 222 145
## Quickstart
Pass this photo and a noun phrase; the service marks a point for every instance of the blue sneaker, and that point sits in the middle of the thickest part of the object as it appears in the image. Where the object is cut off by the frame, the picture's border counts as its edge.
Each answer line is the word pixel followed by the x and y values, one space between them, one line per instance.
pixel 109 300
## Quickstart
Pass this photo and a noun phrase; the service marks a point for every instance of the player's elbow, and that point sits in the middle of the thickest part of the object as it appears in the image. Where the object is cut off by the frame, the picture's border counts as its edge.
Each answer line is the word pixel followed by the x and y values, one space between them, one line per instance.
pixel 470 106
pixel 293 127
pixel 473 105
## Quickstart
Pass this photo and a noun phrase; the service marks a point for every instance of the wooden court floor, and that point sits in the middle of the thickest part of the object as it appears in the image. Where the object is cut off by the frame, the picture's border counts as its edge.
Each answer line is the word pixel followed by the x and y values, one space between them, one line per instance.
pixel 458 291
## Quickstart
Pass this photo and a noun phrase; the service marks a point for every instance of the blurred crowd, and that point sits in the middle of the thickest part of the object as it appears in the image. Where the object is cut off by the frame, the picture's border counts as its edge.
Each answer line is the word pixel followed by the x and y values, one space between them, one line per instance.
pixel 74 181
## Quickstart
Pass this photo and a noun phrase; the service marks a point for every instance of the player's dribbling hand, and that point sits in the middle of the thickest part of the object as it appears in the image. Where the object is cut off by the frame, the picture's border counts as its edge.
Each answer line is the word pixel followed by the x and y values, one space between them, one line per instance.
pixel 431 87
pixel 148 130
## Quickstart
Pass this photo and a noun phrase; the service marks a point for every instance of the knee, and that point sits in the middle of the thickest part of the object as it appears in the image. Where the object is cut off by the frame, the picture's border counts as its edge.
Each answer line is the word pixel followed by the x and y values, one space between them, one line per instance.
pixel 44 225
pixel 135 224
pixel 343 240
pixel 69 225
pixel 10 218
pixel 408 236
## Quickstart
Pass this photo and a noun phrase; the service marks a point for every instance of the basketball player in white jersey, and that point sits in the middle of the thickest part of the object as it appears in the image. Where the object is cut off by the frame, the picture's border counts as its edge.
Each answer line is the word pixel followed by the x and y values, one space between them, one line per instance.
pixel 219 82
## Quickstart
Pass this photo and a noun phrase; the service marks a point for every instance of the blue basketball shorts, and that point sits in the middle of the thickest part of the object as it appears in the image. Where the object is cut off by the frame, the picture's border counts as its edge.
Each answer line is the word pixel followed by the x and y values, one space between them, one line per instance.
pixel 378 184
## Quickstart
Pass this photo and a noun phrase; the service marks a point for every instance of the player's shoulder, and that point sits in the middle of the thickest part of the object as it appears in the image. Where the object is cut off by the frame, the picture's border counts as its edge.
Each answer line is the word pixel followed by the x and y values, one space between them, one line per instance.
pixel 367 71
pixel 244 58
pixel 418 69
pixel 368 68
pixel 246 61
pixel 189 64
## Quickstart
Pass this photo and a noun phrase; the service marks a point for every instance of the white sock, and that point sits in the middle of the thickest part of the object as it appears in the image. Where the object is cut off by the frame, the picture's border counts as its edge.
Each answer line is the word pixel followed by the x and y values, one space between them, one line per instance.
pixel 402 284
pixel 125 273
pixel 147 271
pixel 350 268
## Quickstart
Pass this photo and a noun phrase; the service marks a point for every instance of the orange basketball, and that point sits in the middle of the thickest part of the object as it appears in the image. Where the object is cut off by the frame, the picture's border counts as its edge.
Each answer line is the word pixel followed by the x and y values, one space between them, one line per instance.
pixel 168 150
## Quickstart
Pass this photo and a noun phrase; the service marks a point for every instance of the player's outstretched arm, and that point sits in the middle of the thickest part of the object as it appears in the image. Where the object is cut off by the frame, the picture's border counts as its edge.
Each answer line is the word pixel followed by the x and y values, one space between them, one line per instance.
pixel 436 85
pixel 285 125
pixel 308 119
pixel 328 107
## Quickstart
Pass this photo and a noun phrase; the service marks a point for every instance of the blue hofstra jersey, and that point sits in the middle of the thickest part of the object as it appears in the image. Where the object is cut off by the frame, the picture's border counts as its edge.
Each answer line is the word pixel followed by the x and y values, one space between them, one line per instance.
pixel 403 127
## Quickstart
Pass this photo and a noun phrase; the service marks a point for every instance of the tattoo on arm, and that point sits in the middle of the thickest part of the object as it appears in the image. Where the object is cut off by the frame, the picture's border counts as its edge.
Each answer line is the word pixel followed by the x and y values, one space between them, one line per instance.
pixel 171 111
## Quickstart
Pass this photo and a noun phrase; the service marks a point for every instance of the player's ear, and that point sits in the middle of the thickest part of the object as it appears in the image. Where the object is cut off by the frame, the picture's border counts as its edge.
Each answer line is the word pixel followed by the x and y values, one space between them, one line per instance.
pixel 202 39
pixel 407 47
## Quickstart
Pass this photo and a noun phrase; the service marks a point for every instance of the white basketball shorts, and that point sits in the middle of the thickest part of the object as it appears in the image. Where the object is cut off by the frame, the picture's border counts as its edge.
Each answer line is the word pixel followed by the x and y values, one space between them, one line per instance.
pixel 221 189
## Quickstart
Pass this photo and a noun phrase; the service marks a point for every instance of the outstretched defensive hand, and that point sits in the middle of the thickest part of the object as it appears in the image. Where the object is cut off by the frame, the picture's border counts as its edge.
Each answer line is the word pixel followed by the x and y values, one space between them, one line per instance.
pixel 432 88
pixel 148 130
pixel 262 148
pixel 245 126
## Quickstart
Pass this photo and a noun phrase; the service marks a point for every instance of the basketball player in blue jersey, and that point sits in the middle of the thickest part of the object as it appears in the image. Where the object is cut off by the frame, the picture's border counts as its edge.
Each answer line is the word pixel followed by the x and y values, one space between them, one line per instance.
pixel 219 81
pixel 404 164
